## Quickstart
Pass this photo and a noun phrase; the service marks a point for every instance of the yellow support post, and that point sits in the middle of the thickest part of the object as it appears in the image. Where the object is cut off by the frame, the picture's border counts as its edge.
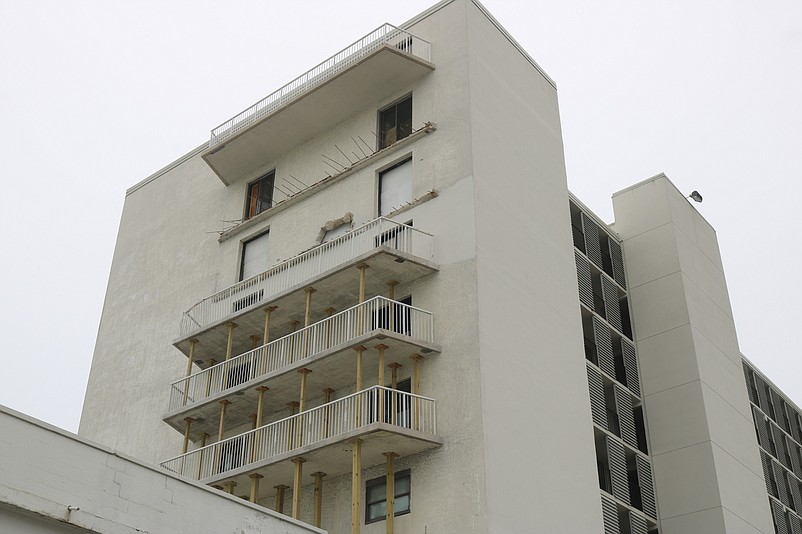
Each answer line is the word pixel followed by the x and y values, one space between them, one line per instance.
pixel 381 348
pixel 222 428
pixel 280 497
pixel 390 495
pixel 261 405
pixel 308 313
pixel 416 359
pixel 255 341
pixel 188 421
pixel 318 515
pixel 255 478
pixel 212 363
pixel 296 487
pixel 230 340
pixel 329 312
pixel 356 485
pixel 394 397
pixel 204 437
pixel 301 407
pixel 327 399
pixel 230 485
pixel 268 311
pixel 192 343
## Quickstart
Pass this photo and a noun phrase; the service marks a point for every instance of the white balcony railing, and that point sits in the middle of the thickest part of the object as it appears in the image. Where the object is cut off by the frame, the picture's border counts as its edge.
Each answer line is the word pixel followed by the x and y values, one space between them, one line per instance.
pixel 383 35
pixel 373 314
pixel 300 269
pixel 337 418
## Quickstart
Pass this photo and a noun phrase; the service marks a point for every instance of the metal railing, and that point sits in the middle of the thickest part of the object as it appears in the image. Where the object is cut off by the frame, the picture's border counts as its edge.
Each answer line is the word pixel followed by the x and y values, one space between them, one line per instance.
pixel 300 269
pixel 383 35
pixel 337 418
pixel 373 314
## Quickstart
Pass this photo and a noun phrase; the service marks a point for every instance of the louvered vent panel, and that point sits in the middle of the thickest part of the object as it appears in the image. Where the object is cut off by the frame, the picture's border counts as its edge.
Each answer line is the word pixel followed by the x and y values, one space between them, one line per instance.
pixel 592 247
pixel 646 486
pixel 611 305
pixel 596 389
pixel 584 280
pixel 796 428
pixel 626 419
pixel 778 406
pixel 779 517
pixel 779 478
pixel 604 346
pixel 795 464
pixel 796 492
pixel 618 469
pixel 760 423
pixel 761 395
pixel 638 523
pixel 779 442
pixel 617 259
pixel 631 366
pixel 796 525
pixel 766 461
pixel 610 513
pixel 749 389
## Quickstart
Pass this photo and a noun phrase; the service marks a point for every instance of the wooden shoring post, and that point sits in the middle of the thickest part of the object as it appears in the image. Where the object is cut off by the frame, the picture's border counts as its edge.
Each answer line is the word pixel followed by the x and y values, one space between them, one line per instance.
pixel 252 417
pixel 391 292
pixel 359 350
pixel 391 315
pixel 356 485
pixel 318 512
pixel 260 407
pixel 204 437
pixel 230 485
pixel 230 341
pixel 222 428
pixel 255 341
pixel 280 497
pixel 327 399
pixel 188 422
pixel 255 478
pixel 296 487
pixel 390 495
pixel 394 396
pixel 192 343
pixel 361 314
pixel 293 405
pixel 308 318
pixel 212 363
pixel 294 324
pixel 416 359
pixel 301 406
pixel 381 348
pixel 268 311
pixel 329 312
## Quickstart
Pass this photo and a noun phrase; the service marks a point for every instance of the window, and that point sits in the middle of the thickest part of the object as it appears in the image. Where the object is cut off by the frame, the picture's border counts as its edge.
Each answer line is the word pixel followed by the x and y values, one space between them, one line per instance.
pixel 260 195
pixel 395 187
pixel 254 256
pixel 376 497
pixel 395 122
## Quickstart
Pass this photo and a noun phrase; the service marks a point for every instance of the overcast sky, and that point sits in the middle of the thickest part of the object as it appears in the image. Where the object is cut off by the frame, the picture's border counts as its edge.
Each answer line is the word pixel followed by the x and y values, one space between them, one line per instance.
pixel 97 95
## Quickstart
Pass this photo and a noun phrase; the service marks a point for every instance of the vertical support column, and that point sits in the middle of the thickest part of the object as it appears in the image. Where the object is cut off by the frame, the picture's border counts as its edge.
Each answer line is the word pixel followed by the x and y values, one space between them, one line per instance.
pixel 188 421
pixel 308 318
pixel 204 437
pixel 327 399
pixel 301 407
pixel 252 417
pixel 260 408
pixel 416 359
pixel 318 513
pixel 255 341
pixel 268 311
pixel 296 487
pixel 356 485
pixel 293 348
pixel 211 363
pixel 391 315
pixel 280 497
pixel 359 350
pixel 394 397
pixel 229 486
pixel 361 315
pixel 255 478
pixel 293 405
pixel 382 394
pixel 222 428
pixel 329 312
pixel 391 291
pixel 230 341
pixel 190 358
pixel 390 495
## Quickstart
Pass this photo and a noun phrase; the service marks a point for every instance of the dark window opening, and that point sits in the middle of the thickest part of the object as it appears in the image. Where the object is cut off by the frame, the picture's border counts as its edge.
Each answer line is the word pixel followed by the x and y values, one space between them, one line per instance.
pixel 376 496
pixel 260 195
pixel 640 429
pixel 395 122
pixel 626 321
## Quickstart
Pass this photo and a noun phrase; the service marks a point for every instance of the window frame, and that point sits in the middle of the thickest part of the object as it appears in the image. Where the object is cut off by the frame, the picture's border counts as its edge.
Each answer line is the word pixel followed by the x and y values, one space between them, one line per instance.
pixel 253 202
pixel 380 116
pixel 407 159
pixel 243 246
pixel 382 481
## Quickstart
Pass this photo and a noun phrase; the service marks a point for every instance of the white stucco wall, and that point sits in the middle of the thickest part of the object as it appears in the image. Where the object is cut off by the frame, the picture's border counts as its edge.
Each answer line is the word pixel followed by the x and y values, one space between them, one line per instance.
pixel 55 482
pixel 707 471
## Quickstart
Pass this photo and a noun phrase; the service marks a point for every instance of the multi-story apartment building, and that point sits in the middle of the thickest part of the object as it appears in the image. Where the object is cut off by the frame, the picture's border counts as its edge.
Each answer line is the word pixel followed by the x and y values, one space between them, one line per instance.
pixel 371 303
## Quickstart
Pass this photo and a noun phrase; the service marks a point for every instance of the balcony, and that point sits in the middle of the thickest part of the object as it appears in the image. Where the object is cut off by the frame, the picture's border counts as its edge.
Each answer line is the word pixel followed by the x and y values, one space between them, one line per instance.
pixel 384 419
pixel 392 252
pixel 373 68
pixel 325 348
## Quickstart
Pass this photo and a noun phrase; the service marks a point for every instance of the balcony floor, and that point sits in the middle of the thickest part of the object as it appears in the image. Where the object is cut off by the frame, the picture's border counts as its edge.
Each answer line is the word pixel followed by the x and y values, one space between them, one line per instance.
pixel 337 288
pixel 334 368
pixel 332 456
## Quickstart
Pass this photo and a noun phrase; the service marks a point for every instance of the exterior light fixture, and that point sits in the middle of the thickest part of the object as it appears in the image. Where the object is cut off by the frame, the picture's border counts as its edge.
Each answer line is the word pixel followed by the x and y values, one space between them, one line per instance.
pixel 695 196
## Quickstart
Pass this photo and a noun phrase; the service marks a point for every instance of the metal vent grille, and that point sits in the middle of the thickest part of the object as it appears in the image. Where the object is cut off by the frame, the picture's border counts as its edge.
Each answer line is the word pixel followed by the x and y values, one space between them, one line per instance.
pixel 626 419
pixel 764 459
pixel 610 514
pixel 618 469
pixel 637 524
pixel 796 525
pixel 778 403
pixel 592 246
pixel 797 494
pixel 604 346
pixel 617 259
pixel 762 433
pixel 631 366
pixel 795 464
pixel 779 478
pixel 584 280
pixel 646 486
pixel 762 401
pixel 779 443
pixel 596 389
pixel 612 306
pixel 779 517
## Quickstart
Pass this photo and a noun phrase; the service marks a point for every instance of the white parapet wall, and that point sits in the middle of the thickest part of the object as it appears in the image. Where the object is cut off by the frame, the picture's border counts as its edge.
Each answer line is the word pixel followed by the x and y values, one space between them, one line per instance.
pixel 53 481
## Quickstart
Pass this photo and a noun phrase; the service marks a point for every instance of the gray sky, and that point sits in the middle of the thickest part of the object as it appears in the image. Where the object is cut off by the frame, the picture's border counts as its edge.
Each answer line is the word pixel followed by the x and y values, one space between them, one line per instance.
pixel 97 95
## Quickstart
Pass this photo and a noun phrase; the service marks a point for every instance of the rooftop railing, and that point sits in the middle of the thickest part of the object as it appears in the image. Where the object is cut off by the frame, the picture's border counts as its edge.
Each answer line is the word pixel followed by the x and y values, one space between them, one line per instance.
pixel 376 313
pixel 345 58
pixel 258 289
pixel 337 418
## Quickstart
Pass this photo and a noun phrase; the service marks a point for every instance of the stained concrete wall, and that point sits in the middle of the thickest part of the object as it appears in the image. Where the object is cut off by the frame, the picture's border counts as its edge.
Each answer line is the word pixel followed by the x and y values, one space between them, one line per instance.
pixel 55 482
pixel 707 471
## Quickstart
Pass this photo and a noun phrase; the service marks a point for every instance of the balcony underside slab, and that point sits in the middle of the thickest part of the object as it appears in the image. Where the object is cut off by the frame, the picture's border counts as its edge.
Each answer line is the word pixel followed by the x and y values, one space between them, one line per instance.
pixel 332 456
pixel 334 368
pixel 337 288
pixel 377 76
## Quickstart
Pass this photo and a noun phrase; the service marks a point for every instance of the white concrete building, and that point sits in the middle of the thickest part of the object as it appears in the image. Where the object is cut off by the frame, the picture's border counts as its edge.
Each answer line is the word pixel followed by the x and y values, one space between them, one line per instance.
pixel 360 304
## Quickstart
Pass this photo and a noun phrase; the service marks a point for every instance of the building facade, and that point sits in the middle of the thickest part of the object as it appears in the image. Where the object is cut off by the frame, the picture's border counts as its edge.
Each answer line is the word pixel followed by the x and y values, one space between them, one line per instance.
pixel 371 303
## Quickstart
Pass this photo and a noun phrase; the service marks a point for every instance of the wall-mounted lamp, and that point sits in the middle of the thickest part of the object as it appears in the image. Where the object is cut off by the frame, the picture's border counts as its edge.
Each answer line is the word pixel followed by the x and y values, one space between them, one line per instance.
pixel 695 196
